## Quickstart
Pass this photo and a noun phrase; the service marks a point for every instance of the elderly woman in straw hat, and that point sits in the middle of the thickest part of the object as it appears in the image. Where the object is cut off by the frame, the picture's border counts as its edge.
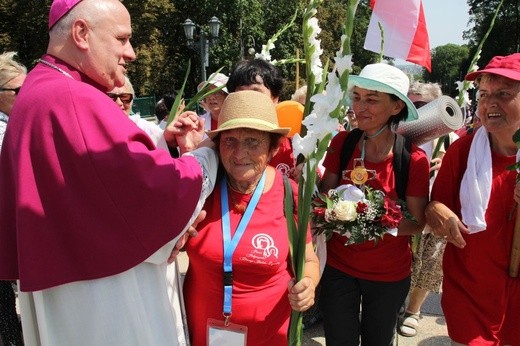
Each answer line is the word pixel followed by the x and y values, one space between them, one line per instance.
pixel 239 261
pixel 373 274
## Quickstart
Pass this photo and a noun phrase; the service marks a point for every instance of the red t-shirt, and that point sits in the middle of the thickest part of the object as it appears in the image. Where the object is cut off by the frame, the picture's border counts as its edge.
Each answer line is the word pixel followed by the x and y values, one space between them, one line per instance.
pixel 283 161
pixel 260 270
pixel 391 258
pixel 480 301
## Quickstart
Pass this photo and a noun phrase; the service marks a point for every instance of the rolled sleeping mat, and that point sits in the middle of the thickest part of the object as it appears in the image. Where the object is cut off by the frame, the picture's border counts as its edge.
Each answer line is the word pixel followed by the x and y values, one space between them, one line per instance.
pixel 437 118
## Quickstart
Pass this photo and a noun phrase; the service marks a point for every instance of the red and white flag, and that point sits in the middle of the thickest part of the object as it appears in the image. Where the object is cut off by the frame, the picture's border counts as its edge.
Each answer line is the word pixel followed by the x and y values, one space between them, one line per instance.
pixel 404 30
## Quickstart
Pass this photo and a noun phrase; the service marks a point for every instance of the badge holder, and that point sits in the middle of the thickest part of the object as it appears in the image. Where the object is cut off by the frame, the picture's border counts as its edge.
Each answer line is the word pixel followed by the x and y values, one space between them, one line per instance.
pixel 221 333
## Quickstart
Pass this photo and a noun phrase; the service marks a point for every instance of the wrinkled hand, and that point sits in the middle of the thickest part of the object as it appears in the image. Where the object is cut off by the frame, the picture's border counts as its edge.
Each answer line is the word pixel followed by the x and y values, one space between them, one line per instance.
pixel 445 223
pixel 301 295
pixel 186 132
pixel 192 231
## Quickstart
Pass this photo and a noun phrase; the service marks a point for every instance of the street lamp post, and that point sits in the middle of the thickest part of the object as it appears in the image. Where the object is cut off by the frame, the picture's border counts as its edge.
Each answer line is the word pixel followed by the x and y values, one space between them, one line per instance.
pixel 204 42
pixel 250 43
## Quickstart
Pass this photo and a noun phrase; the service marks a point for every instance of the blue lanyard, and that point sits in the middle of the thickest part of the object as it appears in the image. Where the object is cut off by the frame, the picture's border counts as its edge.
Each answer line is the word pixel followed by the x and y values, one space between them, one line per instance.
pixel 230 243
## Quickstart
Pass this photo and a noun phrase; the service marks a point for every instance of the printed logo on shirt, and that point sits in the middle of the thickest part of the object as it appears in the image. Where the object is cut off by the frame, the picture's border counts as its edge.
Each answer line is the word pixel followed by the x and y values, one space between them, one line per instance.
pixel 265 243
pixel 283 168
pixel 264 251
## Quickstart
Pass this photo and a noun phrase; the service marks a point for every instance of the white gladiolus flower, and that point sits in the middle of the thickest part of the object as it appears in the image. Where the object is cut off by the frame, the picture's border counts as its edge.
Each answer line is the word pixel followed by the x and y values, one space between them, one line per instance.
pixel 320 126
pixel 345 211
pixel 313 23
pixel 465 98
pixel 305 145
pixel 327 102
pixel 316 65
pixel 460 85
pixel 343 63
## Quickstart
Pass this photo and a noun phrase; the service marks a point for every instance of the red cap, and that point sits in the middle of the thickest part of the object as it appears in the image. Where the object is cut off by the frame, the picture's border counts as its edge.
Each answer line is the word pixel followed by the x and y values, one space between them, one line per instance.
pixel 506 66
pixel 59 8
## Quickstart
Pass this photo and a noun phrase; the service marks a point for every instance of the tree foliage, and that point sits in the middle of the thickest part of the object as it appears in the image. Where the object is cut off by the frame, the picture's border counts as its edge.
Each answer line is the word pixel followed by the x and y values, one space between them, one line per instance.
pixel 332 17
pixel 160 45
pixel 449 64
pixel 23 28
pixel 504 39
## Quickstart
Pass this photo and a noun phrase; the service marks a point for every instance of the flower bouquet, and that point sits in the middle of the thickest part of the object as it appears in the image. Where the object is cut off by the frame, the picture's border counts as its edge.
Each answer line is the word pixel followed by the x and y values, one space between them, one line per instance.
pixel 360 214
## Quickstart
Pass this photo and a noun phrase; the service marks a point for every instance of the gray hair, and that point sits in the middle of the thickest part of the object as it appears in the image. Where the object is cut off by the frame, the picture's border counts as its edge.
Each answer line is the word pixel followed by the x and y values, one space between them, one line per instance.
pixel 300 95
pixel 491 77
pixel 10 68
pixel 129 85
pixel 429 91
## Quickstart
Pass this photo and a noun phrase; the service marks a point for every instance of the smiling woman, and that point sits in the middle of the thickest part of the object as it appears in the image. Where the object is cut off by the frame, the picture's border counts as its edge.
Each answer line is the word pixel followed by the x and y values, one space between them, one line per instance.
pixel 239 262
pixel 473 208
pixel 375 273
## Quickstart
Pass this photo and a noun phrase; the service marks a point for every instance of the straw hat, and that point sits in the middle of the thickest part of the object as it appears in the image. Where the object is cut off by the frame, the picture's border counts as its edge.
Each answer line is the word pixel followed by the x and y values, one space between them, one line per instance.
pixel 387 79
pixel 248 109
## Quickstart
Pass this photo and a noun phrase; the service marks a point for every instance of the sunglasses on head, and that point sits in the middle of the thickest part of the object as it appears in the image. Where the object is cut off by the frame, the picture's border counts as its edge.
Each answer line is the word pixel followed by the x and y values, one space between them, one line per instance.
pixel 126 98
pixel 16 90
pixel 419 104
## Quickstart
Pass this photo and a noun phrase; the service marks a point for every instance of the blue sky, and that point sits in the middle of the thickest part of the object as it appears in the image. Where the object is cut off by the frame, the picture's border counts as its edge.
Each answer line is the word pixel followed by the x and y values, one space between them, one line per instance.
pixel 446 20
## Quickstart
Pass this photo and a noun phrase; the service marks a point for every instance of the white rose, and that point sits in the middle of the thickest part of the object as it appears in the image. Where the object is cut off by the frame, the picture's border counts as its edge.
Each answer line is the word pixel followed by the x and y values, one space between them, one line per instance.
pixel 345 211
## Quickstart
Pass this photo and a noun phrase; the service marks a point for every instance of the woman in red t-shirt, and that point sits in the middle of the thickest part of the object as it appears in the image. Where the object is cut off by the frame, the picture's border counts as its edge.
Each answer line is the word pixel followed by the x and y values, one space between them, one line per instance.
pixel 473 208
pixel 239 261
pixel 373 276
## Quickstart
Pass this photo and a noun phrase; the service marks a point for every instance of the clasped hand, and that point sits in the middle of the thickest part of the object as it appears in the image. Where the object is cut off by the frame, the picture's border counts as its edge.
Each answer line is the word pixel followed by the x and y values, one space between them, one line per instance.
pixel 185 132
pixel 301 294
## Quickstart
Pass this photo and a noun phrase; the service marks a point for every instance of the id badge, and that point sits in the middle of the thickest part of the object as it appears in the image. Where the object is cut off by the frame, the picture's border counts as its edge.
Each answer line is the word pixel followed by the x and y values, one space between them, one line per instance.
pixel 222 335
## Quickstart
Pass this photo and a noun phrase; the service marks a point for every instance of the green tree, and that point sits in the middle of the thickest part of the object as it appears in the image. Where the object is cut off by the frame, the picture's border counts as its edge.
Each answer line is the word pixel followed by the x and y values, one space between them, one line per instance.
pixel 23 28
pixel 504 39
pixel 332 17
pixel 160 44
pixel 156 69
pixel 449 64
pixel 240 19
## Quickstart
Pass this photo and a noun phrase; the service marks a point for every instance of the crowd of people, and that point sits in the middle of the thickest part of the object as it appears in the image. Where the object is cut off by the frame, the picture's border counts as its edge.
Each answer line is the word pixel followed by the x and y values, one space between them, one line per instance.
pixel 96 204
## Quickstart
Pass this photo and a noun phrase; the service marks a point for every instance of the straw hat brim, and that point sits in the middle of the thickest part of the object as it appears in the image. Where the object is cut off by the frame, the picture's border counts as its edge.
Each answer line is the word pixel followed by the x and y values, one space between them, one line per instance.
pixel 248 123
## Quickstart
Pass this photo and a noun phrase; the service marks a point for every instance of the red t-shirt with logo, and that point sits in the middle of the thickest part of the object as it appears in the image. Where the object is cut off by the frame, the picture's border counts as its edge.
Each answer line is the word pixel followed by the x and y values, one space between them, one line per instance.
pixel 391 258
pixel 260 270
pixel 284 161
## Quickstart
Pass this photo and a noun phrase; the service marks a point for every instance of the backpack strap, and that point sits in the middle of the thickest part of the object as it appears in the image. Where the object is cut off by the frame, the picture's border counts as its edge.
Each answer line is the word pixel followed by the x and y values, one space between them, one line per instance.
pixel 402 152
pixel 446 142
pixel 347 149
